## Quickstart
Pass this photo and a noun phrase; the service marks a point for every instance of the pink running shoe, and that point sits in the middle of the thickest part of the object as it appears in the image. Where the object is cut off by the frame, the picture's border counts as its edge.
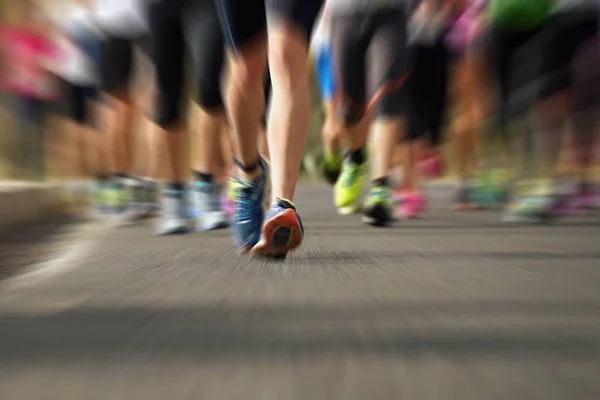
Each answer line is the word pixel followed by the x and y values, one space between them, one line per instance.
pixel 227 205
pixel 431 165
pixel 412 206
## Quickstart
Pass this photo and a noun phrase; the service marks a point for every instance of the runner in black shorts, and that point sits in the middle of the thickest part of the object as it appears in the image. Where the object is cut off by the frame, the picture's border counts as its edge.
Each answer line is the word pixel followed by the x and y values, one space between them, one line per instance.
pixel 246 25
pixel 370 52
pixel 179 27
pixel 125 30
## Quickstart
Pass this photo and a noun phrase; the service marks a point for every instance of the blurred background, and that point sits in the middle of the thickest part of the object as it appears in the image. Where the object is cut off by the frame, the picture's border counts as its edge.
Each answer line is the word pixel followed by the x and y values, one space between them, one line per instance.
pixel 487 286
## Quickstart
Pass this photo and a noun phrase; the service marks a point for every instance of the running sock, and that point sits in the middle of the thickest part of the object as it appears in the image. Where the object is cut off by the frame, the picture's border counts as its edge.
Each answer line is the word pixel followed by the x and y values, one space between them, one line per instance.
pixel 379 182
pixel 175 187
pixel 203 177
pixel 285 203
pixel 358 156
pixel 248 169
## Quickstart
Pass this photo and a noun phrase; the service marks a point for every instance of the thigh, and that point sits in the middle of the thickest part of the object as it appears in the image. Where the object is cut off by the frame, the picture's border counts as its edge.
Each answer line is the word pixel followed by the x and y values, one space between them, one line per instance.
pixel 388 61
pixel 242 21
pixel 302 13
pixel 348 50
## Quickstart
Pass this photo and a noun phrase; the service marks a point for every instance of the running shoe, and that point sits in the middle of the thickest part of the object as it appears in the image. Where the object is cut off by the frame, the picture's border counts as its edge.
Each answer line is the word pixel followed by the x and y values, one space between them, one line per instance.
pixel 99 201
pixel 268 188
pixel 206 200
pixel 114 196
pixel 249 210
pixel 227 205
pixel 174 218
pixel 431 165
pixel 463 200
pixel 537 203
pixel 137 206
pixel 379 207
pixel 413 204
pixel 282 231
pixel 332 167
pixel 530 210
pixel 348 187
pixel 585 198
pixel 489 189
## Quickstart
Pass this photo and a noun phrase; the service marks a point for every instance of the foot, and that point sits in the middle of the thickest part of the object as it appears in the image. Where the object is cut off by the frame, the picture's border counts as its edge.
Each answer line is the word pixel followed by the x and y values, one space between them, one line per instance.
pixel 227 205
pixel 138 206
pixel 348 187
pixel 412 206
pixel 174 219
pixel 268 189
pixel 463 200
pixel 431 165
pixel 530 210
pixel 585 198
pixel 379 210
pixel 207 203
pixel 114 196
pixel 332 167
pixel 282 231
pixel 249 211
pixel 99 197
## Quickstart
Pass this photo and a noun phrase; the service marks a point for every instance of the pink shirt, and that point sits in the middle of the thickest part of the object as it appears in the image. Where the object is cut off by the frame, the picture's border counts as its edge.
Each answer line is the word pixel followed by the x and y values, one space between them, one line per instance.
pixel 25 55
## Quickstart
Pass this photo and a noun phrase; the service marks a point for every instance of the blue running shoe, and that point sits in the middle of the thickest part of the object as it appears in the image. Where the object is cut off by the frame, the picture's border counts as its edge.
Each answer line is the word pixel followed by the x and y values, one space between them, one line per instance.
pixel 249 212
pixel 282 231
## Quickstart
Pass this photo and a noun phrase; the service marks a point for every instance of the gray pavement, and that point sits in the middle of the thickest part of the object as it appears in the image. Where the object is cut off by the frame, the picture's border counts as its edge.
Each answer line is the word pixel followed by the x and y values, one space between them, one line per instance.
pixel 452 306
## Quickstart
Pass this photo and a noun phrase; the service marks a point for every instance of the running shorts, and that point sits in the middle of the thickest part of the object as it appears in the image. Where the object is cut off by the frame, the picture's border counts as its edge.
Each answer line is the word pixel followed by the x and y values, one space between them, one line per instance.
pixel 566 35
pixel 370 54
pixel 325 72
pixel 78 98
pixel 118 61
pixel 243 21
pixel 516 60
pixel 428 87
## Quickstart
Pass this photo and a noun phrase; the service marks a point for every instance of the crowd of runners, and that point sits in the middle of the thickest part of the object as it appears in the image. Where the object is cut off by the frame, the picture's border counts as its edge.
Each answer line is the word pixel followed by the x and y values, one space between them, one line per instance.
pixel 514 85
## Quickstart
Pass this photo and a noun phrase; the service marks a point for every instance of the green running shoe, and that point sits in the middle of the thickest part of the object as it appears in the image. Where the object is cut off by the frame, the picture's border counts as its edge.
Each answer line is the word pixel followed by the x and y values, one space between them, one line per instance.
pixel 348 187
pixel 379 207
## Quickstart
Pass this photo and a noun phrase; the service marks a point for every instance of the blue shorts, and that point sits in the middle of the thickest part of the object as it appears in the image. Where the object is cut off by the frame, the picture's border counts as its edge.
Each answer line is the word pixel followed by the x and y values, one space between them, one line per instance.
pixel 325 72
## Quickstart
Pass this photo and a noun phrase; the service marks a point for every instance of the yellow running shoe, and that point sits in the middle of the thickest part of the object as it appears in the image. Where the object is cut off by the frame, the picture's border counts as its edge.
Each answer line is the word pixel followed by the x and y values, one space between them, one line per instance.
pixel 348 188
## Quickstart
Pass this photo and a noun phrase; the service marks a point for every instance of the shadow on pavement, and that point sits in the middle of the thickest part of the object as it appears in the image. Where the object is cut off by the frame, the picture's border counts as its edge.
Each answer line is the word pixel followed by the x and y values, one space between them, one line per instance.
pixel 519 329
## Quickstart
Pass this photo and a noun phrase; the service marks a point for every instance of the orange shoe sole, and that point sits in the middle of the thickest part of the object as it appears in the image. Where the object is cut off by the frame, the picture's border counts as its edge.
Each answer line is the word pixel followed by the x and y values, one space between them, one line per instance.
pixel 280 235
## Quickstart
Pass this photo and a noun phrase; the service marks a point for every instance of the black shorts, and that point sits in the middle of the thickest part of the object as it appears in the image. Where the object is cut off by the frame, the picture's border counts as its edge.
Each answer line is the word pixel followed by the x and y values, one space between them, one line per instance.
pixel 78 103
pixel 118 61
pixel 207 46
pixel 516 60
pixel 427 87
pixel 244 20
pixel 370 55
pixel 171 23
pixel 566 35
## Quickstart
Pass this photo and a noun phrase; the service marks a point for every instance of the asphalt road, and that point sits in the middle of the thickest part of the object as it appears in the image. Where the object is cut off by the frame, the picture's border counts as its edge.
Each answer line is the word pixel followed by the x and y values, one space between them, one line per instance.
pixel 452 306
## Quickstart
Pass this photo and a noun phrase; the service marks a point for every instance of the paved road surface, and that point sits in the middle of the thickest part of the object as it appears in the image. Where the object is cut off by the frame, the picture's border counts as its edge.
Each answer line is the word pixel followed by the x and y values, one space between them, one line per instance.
pixel 454 306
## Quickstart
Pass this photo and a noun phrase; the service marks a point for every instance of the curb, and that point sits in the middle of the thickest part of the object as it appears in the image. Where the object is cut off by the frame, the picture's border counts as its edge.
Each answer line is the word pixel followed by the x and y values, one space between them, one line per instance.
pixel 25 202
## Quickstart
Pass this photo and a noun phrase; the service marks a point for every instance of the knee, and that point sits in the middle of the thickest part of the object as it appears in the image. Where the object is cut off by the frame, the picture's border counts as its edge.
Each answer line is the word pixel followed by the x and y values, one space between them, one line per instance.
pixel 287 59
pixel 247 71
